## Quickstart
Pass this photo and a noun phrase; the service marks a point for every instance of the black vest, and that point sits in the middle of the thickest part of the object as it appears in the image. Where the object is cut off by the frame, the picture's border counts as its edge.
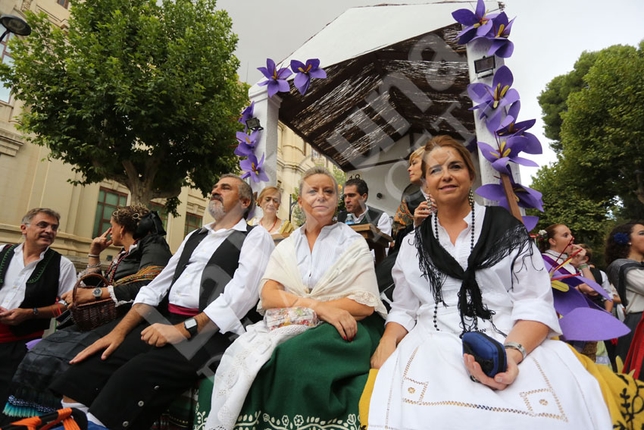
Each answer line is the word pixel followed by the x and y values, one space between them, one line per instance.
pixel 41 287
pixel 371 217
pixel 220 268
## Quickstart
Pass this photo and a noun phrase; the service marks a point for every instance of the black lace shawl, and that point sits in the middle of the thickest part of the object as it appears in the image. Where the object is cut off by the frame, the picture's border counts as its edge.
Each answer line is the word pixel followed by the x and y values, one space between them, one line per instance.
pixel 501 234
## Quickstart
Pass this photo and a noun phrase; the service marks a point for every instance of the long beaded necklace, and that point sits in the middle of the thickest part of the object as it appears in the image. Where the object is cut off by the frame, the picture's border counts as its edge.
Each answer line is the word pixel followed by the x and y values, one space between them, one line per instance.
pixel 472 225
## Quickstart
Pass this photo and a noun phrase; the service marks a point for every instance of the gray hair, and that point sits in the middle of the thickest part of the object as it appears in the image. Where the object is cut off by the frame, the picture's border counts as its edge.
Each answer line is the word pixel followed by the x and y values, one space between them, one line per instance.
pixel 245 192
pixel 317 170
pixel 35 211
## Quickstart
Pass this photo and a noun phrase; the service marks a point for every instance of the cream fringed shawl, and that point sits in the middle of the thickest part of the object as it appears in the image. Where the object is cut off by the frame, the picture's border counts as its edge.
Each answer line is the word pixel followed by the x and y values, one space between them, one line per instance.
pixel 352 276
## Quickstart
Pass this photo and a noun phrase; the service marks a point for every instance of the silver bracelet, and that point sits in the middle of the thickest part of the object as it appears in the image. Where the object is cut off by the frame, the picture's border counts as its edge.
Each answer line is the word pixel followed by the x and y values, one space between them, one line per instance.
pixel 93 266
pixel 93 256
pixel 518 347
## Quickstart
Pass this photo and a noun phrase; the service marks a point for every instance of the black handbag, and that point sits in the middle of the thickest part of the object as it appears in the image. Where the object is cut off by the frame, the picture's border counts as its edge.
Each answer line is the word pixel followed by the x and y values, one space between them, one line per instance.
pixel 487 352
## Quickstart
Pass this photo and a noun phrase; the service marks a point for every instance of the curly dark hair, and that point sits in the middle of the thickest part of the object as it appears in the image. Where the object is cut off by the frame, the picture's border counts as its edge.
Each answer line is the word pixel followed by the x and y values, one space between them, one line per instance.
pixel 615 246
pixel 129 216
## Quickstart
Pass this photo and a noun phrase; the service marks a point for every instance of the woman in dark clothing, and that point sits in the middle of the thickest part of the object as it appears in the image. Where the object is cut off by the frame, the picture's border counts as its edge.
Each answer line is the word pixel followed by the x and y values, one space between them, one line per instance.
pixel 145 252
pixel 625 258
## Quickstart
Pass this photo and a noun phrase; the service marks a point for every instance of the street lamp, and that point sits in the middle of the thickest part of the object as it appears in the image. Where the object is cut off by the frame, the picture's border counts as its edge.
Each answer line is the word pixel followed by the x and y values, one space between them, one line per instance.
pixel 15 25
pixel 254 124
pixel 484 66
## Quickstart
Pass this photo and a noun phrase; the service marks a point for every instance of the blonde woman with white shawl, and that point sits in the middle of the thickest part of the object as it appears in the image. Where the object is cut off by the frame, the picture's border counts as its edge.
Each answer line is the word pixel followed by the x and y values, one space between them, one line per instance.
pixel 296 374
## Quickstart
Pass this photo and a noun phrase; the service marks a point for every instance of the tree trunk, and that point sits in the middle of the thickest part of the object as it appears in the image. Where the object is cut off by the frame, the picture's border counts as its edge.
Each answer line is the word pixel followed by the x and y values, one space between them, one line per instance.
pixel 640 186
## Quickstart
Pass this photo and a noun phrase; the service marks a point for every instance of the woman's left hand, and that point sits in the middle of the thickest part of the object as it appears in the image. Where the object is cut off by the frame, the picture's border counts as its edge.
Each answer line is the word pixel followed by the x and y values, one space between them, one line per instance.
pixel 341 319
pixel 501 380
pixel 83 295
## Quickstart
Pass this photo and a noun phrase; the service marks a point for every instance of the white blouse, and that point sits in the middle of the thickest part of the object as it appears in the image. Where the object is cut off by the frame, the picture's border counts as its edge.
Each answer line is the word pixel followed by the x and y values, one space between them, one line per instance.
pixel 330 244
pixel 519 291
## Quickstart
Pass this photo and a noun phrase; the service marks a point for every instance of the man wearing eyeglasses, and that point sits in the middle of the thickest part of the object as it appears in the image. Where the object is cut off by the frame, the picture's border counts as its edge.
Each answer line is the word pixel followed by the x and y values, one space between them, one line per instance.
pixel 32 276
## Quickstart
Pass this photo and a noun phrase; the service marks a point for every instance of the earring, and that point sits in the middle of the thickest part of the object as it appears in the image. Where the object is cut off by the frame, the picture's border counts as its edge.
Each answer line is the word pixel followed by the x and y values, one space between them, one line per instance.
pixel 470 197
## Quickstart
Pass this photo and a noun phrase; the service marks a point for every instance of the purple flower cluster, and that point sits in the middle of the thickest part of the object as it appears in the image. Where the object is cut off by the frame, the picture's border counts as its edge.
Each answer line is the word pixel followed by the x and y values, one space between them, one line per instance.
pixel 498 106
pixel 247 141
pixel 275 82
pixel 276 78
pixel 481 25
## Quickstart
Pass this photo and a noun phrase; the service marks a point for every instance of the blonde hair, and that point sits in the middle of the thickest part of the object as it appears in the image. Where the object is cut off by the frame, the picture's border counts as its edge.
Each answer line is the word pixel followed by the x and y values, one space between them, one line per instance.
pixel 317 170
pixel 269 190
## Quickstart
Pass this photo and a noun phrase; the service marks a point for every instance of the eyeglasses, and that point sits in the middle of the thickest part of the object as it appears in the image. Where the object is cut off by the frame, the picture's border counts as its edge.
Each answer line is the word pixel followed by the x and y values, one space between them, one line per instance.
pixel 44 224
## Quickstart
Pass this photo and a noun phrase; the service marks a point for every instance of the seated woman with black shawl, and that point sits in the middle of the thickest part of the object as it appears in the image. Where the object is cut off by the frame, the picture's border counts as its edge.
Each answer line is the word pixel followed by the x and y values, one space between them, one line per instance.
pixel 474 268
pixel 145 252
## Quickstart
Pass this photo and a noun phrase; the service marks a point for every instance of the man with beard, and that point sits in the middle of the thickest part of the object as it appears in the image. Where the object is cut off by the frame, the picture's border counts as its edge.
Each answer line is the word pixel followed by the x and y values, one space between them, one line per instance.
pixel 32 277
pixel 127 378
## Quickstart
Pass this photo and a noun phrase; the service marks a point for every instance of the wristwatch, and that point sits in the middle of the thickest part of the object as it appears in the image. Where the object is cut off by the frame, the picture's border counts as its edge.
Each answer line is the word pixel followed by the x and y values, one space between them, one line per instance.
pixel 35 311
pixel 97 293
pixel 191 326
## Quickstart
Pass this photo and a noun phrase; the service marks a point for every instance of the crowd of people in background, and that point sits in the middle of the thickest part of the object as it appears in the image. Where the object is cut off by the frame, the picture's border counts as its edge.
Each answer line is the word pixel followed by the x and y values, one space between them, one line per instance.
pixel 315 330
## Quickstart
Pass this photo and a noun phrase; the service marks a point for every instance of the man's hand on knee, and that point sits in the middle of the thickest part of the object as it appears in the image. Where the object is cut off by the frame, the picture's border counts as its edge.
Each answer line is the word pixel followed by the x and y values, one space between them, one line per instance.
pixel 107 344
pixel 162 334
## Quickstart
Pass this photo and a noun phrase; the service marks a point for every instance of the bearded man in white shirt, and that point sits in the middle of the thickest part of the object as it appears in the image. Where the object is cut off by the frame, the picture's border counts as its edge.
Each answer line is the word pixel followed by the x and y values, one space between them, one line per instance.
pixel 209 286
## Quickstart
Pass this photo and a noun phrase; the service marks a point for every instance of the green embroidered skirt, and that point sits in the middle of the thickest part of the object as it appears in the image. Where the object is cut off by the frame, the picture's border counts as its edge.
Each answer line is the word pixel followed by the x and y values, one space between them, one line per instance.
pixel 313 380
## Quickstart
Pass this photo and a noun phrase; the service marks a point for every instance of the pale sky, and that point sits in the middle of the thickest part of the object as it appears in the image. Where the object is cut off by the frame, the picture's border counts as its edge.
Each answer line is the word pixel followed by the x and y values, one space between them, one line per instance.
pixel 548 36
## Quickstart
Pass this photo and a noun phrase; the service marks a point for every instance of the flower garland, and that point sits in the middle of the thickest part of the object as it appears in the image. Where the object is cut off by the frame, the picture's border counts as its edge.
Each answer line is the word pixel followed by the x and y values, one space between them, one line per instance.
pixel 276 81
pixel 498 106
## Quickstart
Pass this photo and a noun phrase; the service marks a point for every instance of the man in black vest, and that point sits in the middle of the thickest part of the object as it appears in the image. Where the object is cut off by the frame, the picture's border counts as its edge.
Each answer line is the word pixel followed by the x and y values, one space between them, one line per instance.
pixel 32 277
pixel 356 194
pixel 147 360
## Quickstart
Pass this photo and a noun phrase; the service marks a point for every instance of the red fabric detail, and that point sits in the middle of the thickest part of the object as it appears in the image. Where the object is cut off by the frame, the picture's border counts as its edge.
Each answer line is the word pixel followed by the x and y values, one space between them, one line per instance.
pixel 180 310
pixel 7 336
pixel 635 352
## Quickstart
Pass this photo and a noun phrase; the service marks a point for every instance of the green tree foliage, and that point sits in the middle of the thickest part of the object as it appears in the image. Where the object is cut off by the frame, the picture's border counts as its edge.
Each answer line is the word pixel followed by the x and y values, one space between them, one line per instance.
pixel 565 203
pixel 603 130
pixel 138 91
pixel 553 100
pixel 597 114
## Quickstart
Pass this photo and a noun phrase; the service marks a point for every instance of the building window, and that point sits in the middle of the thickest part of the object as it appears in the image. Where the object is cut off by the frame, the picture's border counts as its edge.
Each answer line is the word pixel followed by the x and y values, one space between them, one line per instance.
pixel 163 213
pixel 5 56
pixel 108 201
pixel 63 3
pixel 193 222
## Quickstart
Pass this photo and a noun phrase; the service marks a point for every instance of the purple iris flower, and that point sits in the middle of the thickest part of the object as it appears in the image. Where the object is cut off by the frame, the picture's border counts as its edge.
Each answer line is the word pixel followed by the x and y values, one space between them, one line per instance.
pixel 478 24
pixel 491 98
pixel 508 151
pixel 304 73
pixel 247 143
pixel 247 114
pixel 254 169
pixel 526 197
pixel 509 127
pixel 275 79
pixel 501 45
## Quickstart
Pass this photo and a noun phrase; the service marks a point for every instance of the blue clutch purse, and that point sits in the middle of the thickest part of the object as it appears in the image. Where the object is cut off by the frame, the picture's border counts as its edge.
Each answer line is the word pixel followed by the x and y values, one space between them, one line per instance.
pixel 487 352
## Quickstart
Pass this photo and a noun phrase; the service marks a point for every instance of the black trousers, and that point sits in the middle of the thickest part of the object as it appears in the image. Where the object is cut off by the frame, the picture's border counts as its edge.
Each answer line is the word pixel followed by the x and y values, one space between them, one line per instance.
pixel 134 385
pixel 11 354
